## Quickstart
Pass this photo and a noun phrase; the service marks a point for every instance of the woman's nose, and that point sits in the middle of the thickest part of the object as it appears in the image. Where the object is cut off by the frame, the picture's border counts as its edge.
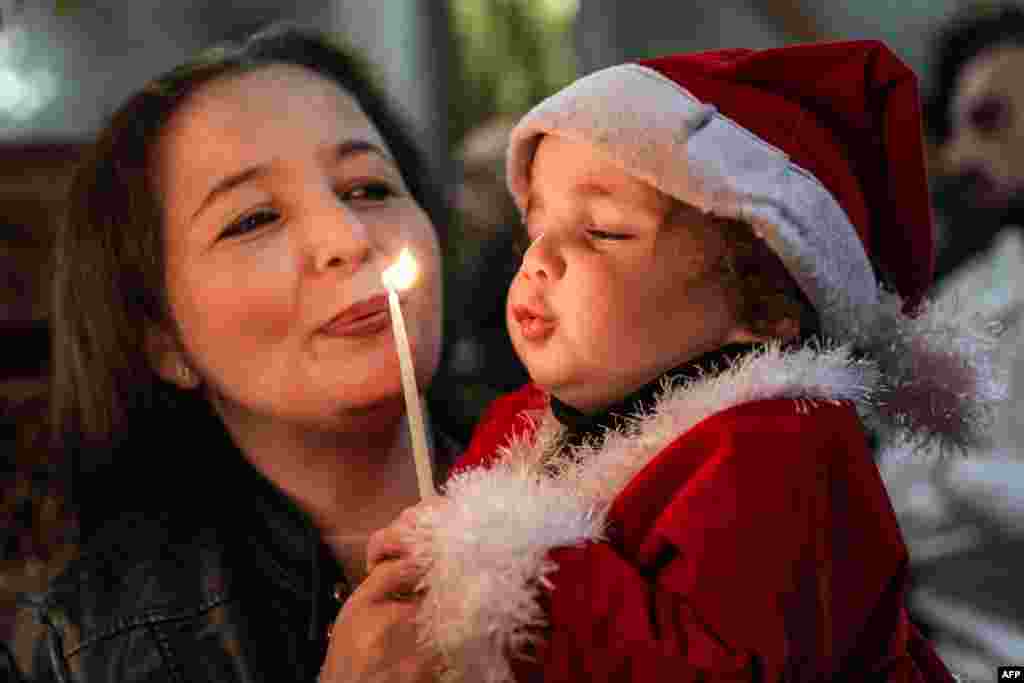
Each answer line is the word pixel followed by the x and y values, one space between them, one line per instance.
pixel 542 260
pixel 340 239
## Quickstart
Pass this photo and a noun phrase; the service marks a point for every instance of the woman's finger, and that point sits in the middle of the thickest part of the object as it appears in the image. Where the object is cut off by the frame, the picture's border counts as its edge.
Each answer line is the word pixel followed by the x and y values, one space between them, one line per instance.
pixel 385 544
pixel 393 581
pixel 388 543
pixel 375 637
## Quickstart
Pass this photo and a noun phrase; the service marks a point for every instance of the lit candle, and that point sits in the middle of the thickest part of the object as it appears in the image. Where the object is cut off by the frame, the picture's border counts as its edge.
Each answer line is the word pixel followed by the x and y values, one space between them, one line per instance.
pixel 401 275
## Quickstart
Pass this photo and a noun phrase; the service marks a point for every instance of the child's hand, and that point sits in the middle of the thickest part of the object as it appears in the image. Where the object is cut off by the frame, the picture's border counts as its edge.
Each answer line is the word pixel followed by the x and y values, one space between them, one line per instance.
pixel 386 544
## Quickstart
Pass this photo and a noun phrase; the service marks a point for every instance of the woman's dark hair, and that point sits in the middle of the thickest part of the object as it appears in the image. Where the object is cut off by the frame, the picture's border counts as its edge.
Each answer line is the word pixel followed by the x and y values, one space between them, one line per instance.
pixel 109 260
pixel 966 35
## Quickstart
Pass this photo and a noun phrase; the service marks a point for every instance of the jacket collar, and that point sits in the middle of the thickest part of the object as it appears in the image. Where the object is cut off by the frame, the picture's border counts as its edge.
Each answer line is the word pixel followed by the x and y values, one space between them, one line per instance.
pixel 281 539
pixel 582 427
pixel 601 466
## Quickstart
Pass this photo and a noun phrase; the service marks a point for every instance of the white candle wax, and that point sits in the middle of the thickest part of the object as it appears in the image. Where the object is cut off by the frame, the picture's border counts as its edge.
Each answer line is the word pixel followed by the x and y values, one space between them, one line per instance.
pixel 414 412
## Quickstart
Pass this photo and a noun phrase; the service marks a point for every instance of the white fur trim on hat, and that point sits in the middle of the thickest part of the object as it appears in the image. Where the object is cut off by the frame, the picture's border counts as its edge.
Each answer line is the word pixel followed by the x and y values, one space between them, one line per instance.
pixel 941 377
pixel 660 133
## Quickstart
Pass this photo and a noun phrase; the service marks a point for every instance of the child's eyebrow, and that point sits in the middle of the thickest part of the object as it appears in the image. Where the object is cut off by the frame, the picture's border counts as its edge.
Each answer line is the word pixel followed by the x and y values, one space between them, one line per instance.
pixel 587 189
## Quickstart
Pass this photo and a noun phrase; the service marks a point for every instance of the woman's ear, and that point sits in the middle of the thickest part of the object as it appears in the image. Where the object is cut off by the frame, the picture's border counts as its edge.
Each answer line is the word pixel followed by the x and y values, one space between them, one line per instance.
pixel 168 360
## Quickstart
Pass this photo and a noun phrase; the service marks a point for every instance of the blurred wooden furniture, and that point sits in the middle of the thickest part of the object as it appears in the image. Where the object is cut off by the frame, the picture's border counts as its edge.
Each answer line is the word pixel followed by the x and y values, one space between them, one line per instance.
pixel 36 528
pixel 33 182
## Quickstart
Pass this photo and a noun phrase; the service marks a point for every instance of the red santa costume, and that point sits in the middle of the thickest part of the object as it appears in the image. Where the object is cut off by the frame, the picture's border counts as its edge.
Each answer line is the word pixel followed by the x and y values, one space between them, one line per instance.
pixel 738 529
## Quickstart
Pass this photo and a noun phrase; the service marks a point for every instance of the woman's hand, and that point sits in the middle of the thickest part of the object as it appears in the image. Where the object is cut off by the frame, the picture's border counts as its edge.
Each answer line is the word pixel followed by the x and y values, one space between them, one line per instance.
pixel 387 544
pixel 374 638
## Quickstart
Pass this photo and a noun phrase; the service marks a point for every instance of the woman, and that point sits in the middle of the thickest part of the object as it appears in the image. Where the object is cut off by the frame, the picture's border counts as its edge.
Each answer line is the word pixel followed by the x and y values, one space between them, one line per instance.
pixel 226 379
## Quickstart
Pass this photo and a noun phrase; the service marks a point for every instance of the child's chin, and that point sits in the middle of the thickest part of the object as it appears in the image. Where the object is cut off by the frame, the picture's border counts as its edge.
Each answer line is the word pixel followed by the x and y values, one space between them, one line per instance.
pixel 538 376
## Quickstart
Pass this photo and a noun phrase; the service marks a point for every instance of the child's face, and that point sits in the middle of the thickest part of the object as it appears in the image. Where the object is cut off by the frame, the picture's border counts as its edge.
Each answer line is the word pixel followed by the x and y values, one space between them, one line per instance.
pixel 620 283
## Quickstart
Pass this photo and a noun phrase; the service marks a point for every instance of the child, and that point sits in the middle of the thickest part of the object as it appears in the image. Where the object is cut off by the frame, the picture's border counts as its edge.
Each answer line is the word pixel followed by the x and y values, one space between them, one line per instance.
pixel 685 490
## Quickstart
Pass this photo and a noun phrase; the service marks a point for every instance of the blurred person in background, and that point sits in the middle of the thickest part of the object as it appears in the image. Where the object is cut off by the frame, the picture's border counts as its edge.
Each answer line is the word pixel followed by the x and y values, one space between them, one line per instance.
pixel 975 116
pixel 964 517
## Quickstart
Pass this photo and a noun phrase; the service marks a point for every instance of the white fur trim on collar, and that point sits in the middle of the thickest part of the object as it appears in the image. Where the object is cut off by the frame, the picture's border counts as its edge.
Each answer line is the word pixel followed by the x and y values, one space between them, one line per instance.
pixel 487 550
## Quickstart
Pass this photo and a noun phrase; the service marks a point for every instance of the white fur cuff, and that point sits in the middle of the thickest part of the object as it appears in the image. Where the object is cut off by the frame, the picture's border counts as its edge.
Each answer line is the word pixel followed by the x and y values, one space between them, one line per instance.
pixel 487 557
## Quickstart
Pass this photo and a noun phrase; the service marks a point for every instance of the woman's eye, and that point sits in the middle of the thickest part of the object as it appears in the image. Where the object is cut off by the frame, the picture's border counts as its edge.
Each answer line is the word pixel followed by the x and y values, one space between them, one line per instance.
pixel 374 192
pixel 250 222
pixel 605 235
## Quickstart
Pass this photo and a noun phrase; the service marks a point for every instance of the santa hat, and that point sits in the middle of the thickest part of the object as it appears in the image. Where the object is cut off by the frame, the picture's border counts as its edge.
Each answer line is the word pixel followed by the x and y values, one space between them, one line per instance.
pixel 819 148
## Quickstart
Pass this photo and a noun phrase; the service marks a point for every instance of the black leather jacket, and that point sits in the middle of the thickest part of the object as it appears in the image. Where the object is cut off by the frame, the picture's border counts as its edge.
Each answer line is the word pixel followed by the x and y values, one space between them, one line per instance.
pixel 245 595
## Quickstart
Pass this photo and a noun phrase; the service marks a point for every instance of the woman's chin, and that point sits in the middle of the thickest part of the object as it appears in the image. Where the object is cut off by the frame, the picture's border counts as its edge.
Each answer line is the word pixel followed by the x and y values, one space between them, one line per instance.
pixel 367 414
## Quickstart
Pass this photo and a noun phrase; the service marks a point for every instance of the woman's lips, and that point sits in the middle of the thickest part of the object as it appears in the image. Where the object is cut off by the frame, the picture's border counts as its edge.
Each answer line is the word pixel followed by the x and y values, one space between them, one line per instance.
pixel 363 319
pixel 360 327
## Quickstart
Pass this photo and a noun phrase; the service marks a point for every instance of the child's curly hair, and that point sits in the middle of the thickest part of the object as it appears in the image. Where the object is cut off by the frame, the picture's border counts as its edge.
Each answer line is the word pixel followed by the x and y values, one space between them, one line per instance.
pixel 765 293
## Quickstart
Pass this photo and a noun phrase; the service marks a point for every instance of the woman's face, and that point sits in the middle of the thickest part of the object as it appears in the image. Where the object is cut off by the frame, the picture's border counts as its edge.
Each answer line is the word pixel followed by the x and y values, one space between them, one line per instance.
pixel 281 208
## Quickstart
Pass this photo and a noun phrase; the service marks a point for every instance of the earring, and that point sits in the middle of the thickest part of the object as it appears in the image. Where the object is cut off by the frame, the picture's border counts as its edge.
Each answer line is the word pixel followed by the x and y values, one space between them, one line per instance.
pixel 186 375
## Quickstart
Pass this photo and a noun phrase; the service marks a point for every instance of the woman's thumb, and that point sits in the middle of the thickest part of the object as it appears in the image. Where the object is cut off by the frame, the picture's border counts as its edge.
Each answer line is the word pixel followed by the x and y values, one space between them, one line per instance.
pixel 394 580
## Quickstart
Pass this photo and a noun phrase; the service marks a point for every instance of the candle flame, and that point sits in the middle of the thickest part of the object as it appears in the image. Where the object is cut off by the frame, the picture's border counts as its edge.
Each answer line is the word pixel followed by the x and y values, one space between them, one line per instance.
pixel 402 273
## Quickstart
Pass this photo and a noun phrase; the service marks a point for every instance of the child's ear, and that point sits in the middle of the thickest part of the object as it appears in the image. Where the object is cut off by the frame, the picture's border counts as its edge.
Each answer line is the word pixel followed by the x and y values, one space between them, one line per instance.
pixel 784 329
pixel 168 360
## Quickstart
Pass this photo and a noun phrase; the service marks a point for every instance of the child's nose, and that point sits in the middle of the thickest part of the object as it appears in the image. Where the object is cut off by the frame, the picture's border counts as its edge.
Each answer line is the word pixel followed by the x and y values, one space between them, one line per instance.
pixel 542 260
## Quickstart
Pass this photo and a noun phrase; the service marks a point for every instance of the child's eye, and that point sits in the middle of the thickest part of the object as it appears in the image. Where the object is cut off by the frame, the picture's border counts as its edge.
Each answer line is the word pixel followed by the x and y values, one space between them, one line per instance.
pixel 249 222
pixel 605 235
pixel 373 192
